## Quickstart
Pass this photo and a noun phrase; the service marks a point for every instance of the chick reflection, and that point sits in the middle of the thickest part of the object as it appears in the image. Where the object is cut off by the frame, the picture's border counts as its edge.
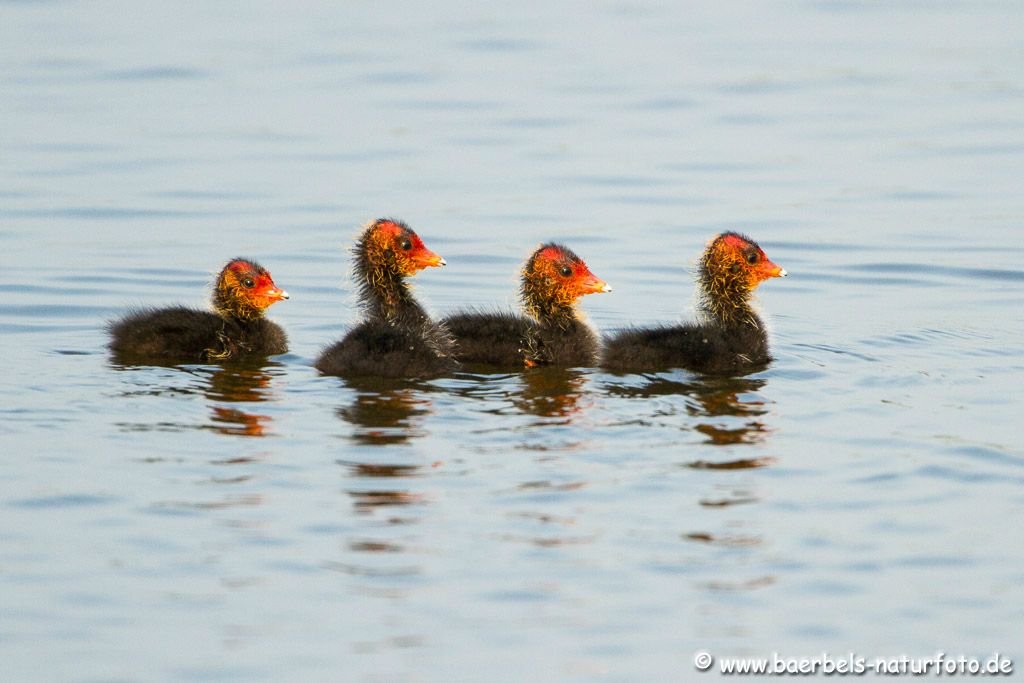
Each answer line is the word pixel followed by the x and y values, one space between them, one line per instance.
pixel 551 392
pixel 238 382
pixel 730 396
pixel 388 492
pixel 381 490
pixel 385 411
pixel 241 382
pixel 734 400
pixel 238 422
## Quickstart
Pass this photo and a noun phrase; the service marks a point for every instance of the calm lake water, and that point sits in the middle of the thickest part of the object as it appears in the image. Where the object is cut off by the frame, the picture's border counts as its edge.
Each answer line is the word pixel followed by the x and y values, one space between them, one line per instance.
pixel 262 523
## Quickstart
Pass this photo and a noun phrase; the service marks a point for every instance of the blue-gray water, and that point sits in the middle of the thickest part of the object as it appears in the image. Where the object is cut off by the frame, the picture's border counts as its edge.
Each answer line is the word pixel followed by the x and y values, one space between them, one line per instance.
pixel 865 492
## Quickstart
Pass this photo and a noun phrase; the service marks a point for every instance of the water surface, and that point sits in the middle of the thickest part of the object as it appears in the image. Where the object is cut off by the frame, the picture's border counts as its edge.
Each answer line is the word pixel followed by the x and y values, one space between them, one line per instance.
pixel 256 521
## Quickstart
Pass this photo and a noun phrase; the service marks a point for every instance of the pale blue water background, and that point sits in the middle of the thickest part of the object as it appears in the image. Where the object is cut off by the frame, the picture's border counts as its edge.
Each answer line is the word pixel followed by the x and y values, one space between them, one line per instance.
pixel 263 523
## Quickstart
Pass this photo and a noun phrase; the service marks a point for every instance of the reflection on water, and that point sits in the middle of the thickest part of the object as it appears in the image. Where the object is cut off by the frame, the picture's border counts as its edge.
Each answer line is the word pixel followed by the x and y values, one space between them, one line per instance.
pixel 370 501
pixel 234 422
pixel 370 546
pixel 739 464
pixel 227 502
pixel 719 435
pixel 380 481
pixel 386 483
pixel 246 382
pixel 731 414
pixel 236 382
pixel 366 469
pixel 225 390
pixel 240 382
pixel 734 401
pixel 735 498
pixel 750 584
pixel 383 412
pixel 709 395
pixel 551 392
pixel 546 530
pixel 371 570
pixel 386 411
pixel 726 540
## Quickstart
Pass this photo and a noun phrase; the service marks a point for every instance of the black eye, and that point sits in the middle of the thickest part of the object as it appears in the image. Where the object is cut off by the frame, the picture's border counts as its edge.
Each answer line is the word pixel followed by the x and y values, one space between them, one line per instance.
pixel 566 271
pixel 752 258
pixel 406 245
pixel 248 283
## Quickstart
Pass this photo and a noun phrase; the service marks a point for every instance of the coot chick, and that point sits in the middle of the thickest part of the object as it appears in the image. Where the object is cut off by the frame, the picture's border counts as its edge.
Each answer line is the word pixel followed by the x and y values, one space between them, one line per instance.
pixel 730 338
pixel 396 338
pixel 236 327
pixel 553 331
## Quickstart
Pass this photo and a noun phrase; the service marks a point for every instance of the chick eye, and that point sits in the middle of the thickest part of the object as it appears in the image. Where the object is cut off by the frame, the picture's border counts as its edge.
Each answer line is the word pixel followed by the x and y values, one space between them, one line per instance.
pixel 248 283
pixel 406 245
pixel 565 271
pixel 752 258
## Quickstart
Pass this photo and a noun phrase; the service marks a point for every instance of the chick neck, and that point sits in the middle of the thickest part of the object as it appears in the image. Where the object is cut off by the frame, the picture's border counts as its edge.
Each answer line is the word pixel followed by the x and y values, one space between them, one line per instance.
pixel 384 292
pixel 725 292
pixel 548 305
